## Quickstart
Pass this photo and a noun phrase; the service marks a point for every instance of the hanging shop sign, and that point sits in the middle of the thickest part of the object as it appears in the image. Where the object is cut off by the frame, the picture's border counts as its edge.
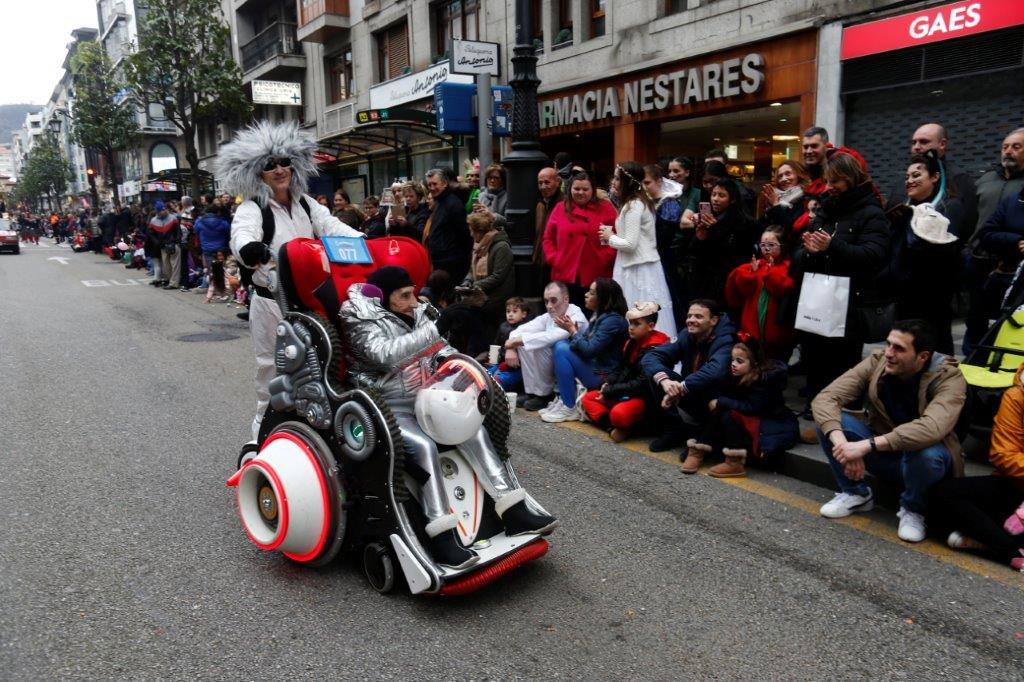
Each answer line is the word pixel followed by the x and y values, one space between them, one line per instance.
pixel 712 81
pixel 473 57
pixel 414 86
pixel 931 25
pixel 277 92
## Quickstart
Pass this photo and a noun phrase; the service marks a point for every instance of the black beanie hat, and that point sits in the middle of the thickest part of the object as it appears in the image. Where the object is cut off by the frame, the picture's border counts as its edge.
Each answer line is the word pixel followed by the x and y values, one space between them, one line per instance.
pixel 389 279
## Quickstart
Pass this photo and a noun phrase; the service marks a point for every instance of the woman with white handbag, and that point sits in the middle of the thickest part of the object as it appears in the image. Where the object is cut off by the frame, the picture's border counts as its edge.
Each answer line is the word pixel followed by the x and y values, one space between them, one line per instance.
pixel 840 255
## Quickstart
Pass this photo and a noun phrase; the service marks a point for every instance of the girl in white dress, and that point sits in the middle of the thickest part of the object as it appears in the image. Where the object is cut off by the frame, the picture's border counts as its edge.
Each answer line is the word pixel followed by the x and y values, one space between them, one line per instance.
pixel 637 265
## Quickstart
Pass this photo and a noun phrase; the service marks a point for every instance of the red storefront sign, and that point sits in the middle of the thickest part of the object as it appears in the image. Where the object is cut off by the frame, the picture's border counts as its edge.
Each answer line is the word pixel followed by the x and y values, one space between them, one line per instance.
pixel 931 26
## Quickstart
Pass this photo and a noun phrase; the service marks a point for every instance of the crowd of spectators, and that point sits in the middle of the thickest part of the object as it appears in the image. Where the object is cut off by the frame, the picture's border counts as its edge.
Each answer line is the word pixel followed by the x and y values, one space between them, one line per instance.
pixel 676 305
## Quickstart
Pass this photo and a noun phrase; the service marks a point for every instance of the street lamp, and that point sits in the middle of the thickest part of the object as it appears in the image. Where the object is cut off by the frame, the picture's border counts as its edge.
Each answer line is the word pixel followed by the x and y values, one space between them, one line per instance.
pixel 526 158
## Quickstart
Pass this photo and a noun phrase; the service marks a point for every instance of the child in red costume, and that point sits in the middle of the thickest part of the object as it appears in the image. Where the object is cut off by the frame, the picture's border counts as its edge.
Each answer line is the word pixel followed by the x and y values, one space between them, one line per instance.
pixel 624 398
pixel 758 288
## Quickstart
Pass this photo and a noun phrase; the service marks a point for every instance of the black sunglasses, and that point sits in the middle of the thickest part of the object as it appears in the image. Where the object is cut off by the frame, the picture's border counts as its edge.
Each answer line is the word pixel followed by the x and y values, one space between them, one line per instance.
pixel 272 163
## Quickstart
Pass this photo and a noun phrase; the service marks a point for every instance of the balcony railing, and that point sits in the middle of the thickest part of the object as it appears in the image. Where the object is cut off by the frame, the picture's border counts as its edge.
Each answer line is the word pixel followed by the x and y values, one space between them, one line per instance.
pixel 312 9
pixel 276 39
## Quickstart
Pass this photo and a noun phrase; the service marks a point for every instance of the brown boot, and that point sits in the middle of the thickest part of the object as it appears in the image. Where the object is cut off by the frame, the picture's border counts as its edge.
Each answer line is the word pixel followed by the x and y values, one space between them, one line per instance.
pixel 619 435
pixel 695 453
pixel 732 467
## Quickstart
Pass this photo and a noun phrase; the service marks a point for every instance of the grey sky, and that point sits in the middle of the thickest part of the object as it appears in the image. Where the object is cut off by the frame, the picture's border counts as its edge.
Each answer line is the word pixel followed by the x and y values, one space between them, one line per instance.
pixel 33 38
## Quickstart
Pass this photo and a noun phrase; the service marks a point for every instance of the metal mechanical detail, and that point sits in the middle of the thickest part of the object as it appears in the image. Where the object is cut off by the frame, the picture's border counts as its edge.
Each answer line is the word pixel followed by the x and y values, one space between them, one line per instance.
pixel 299 384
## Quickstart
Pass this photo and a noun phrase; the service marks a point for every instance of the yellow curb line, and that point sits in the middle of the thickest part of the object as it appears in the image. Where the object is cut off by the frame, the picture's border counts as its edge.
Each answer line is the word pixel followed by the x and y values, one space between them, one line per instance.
pixel 962 560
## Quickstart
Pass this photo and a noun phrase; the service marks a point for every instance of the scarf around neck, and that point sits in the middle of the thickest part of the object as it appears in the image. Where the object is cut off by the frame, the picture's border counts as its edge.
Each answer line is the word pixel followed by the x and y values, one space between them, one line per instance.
pixel 481 252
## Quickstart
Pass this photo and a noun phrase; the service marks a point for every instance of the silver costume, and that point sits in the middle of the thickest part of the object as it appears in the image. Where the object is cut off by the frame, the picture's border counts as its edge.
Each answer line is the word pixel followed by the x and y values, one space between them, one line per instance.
pixel 376 343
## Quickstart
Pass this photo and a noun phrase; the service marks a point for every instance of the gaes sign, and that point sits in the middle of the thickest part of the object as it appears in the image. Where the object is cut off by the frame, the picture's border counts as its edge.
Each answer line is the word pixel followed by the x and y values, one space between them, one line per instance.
pixel 930 26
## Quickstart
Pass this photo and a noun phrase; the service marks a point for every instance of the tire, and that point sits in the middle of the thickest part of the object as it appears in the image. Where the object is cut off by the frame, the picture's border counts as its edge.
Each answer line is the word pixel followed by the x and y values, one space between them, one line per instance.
pixel 336 491
pixel 17 250
pixel 355 430
pixel 497 421
pixel 379 567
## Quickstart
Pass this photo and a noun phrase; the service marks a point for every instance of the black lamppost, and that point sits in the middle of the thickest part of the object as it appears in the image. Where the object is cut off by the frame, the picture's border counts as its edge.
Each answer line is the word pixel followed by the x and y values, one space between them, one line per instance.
pixel 526 158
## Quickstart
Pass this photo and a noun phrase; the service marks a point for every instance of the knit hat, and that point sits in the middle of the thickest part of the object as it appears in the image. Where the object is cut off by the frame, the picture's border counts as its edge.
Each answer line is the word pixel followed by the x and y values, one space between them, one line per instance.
pixel 389 279
pixel 159 205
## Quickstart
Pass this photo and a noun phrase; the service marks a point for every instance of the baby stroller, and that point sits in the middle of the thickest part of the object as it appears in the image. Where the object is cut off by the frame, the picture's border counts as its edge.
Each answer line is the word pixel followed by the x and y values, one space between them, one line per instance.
pixel 328 474
pixel 993 363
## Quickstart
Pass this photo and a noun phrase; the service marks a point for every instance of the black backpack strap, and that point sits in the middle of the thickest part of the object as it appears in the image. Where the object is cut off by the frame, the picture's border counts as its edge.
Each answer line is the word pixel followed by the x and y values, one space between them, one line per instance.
pixel 305 207
pixel 268 224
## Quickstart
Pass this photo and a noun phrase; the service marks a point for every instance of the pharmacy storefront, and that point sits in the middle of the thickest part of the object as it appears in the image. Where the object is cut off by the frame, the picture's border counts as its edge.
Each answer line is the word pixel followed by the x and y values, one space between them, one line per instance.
pixel 752 101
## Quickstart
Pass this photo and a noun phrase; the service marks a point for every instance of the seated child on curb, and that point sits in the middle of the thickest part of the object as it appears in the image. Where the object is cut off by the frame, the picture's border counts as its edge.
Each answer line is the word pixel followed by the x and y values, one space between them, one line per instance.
pixel 749 417
pixel 625 396
pixel 516 313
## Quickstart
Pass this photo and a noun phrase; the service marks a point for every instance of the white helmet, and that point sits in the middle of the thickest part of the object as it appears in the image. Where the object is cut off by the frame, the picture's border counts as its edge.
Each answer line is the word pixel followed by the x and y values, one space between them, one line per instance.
pixel 452 403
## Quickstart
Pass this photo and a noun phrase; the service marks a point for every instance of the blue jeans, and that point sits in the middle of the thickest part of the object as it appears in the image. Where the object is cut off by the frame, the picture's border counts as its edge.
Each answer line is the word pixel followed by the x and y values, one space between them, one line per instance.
pixel 509 379
pixel 915 471
pixel 568 368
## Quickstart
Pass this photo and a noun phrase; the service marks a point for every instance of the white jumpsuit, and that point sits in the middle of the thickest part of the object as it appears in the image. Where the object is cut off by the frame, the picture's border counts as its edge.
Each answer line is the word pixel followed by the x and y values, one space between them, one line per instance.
pixel 264 313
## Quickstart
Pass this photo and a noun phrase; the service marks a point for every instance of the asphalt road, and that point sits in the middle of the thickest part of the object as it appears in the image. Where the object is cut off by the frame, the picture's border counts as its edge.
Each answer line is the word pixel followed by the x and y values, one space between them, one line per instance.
pixel 120 555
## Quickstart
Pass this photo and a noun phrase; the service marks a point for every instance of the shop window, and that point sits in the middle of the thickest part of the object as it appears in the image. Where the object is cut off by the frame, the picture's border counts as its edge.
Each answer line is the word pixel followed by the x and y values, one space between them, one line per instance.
pixel 597 18
pixel 339 72
pixel 392 51
pixel 674 6
pixel 562 21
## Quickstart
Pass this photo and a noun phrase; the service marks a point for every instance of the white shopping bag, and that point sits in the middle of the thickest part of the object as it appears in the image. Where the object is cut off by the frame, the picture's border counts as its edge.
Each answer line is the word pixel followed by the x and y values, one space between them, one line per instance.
pixel 824 300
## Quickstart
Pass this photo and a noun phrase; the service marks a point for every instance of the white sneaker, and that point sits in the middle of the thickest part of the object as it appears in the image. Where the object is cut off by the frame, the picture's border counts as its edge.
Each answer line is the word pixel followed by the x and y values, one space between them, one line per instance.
pixel 561 413
pixel 845 504
pixel 958 540
pixel 911 525
pixel 555 402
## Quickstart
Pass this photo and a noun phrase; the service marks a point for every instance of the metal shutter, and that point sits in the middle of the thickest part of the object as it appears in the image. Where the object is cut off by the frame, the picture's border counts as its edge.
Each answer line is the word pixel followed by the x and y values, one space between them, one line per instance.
pixel 978 111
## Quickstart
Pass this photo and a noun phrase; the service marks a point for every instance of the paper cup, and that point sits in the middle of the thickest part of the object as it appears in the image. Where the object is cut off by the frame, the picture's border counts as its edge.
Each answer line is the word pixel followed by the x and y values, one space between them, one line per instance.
pixel 492 355
pixel 511 398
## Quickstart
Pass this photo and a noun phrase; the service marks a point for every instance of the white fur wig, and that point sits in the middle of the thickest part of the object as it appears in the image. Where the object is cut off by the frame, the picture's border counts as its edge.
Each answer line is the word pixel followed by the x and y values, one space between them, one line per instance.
pixel 241 162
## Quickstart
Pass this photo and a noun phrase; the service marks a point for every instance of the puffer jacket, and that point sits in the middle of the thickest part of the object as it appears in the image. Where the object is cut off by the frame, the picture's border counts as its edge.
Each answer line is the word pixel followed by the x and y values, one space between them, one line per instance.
pixel 704 364
pixel 377 341
pixel 771 425
pixel 1007 450
pixel 601 342
pixel 941 396
pixel 860 246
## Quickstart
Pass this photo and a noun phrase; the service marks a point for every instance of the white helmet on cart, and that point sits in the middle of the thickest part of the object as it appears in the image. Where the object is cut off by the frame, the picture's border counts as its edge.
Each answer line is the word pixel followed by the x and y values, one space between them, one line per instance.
pixel 452 403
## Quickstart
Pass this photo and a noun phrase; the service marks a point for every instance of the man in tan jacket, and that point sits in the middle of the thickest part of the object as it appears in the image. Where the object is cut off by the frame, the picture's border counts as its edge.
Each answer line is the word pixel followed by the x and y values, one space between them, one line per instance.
pixel 912 396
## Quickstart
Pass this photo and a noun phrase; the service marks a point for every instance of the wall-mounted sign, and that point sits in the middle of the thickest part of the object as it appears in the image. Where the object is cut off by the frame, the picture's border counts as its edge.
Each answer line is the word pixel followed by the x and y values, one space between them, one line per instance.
pixel 930 26
pixel 414 86
pixel 716 80
pixel 277 92
pixel 473 56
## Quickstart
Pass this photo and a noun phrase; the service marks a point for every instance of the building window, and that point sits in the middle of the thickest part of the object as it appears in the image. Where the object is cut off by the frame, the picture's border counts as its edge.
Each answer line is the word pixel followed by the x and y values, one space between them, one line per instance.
pixel 162 157
pixel 441 21
pixel 339 71
pixel 597 18
pixel 538 26
pixel 562 23
pixel 392 52
pixel 674 6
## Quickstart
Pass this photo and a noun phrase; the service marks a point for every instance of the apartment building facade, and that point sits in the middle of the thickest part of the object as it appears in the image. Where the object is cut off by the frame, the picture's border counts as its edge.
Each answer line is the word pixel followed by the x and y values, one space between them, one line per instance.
pixel 161 147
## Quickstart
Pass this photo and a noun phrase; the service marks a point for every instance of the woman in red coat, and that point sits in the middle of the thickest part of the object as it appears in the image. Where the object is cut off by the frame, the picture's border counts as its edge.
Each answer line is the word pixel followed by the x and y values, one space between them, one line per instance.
pixel 757 289
pixel 571 244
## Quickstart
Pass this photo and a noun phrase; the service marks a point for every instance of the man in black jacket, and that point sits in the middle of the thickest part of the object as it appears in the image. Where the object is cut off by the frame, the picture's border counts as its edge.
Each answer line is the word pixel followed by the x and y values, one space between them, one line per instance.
pixel 447 234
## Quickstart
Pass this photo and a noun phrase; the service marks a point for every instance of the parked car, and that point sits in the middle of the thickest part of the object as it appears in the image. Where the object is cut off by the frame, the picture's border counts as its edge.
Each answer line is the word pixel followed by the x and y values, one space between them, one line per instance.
pixel 8 237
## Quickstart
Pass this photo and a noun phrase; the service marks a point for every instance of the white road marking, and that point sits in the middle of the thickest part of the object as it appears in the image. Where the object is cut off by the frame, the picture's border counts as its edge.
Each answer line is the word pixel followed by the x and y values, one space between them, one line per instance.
pixel 60 259
pixel 113 282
